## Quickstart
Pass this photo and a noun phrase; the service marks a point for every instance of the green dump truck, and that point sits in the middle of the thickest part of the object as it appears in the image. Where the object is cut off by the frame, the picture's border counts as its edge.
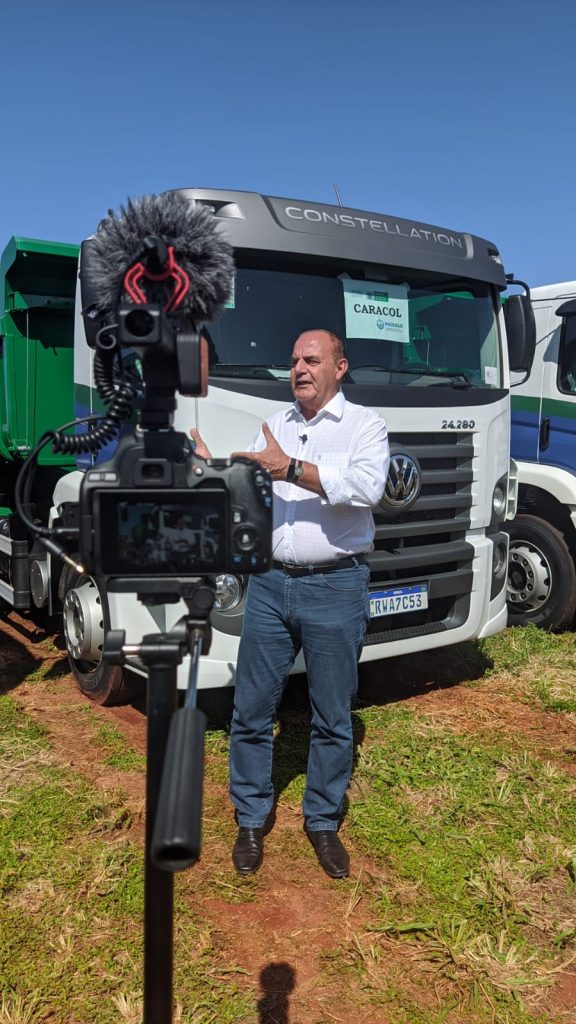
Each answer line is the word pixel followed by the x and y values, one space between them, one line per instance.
pixel 38 282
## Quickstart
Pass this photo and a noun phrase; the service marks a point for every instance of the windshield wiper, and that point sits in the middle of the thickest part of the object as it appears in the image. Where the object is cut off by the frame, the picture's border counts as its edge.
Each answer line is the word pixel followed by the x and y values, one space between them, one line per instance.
pixel 244 369
pixel 457 380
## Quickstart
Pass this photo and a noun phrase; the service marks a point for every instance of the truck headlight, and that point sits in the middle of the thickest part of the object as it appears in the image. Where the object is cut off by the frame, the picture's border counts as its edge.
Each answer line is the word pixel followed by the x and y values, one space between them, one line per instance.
pixel 228 593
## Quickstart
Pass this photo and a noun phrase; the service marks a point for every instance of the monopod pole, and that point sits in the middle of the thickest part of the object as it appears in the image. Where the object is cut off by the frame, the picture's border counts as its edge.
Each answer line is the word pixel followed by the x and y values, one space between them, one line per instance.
pixel 174 771
pixel 158 885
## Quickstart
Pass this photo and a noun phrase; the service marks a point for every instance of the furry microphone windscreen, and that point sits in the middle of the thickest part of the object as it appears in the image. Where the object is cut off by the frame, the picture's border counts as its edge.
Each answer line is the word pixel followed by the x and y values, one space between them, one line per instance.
pixel 199 248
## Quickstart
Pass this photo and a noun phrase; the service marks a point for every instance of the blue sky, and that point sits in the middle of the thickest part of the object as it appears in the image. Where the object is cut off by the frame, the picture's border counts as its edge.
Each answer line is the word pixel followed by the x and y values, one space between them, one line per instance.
pixel 459 114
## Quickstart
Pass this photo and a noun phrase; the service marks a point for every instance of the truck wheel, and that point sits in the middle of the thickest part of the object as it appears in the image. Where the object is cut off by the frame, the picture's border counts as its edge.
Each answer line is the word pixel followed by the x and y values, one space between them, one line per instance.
pixel 541 575
pixel 85 617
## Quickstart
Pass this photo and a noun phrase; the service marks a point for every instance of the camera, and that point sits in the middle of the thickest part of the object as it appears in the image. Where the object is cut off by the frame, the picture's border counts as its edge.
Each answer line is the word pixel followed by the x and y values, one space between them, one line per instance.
pixel 155 511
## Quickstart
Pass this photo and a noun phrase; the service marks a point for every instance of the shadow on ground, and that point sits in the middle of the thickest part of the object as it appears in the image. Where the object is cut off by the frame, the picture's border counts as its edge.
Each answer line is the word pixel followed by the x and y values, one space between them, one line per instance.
pixel 380 683
pixel 28 647
pixel 277 981
pixel 34 648
pixel 394 679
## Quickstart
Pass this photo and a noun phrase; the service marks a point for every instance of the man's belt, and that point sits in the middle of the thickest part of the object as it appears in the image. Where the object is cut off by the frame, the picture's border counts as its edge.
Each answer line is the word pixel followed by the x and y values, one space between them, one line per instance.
pixel 320 567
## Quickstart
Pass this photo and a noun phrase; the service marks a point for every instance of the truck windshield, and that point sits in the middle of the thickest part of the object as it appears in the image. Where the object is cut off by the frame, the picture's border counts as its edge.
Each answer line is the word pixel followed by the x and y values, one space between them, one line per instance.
pixel 403 334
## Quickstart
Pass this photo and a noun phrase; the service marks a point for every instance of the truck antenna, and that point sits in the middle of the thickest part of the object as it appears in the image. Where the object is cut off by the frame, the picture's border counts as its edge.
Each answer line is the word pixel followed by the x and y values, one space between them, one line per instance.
pixel 338 195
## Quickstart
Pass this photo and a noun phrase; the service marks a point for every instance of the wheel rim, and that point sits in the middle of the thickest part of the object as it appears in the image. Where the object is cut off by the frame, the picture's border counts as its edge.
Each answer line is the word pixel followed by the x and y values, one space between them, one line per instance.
pixel 529 577
pixel 83 621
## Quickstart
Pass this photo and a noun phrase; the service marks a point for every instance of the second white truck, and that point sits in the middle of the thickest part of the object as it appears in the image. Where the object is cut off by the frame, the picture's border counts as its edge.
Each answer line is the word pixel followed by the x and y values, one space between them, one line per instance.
pixel 542 566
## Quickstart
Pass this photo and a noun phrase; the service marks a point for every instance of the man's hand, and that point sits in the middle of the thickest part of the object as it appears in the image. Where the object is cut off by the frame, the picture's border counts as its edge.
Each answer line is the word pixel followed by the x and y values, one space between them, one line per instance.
pixel 200 447
pixel 271 458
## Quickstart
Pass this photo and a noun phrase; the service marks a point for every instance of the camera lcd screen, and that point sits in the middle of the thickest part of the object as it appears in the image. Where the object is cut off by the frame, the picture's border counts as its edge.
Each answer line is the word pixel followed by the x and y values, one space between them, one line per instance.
pixel 174 533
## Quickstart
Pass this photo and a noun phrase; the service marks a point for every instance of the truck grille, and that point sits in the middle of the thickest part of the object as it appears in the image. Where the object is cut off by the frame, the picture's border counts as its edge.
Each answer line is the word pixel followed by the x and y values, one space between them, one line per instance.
pixel 427 542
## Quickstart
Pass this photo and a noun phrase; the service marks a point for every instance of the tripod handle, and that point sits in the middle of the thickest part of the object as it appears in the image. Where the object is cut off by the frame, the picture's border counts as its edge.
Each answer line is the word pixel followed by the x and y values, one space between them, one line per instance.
pixel 176 839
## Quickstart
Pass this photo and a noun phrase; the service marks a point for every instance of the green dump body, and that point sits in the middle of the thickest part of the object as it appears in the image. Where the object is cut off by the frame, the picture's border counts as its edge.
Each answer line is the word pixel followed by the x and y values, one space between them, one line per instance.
pixel 37 289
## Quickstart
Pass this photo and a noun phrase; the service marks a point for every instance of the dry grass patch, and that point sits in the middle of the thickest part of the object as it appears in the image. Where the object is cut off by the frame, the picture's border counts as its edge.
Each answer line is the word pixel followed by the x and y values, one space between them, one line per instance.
pixel 461 970
pixel 429 801
pixel 21 763
pixel 14 1009
pixel 546 904
pixel 33 896
pixel 130 1008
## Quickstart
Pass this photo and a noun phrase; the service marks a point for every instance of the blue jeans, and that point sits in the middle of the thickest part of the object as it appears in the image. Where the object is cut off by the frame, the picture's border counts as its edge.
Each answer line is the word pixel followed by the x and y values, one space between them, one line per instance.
pixel 325 616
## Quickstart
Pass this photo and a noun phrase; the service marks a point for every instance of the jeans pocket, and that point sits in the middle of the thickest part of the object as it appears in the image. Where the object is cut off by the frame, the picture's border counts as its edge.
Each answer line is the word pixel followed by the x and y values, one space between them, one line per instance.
pixel 352 580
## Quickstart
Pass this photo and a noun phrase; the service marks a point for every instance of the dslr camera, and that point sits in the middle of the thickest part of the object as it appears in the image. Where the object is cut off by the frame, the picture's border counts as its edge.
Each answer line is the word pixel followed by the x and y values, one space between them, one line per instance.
pixel 156 511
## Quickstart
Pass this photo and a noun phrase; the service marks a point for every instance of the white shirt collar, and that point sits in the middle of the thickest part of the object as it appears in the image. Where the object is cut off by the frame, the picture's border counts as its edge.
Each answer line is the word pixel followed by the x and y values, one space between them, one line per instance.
pixel 333 408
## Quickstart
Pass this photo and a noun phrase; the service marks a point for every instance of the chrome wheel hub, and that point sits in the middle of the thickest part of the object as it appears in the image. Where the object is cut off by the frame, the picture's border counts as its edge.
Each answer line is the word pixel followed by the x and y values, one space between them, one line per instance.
pixel 529 576
pixel 83 622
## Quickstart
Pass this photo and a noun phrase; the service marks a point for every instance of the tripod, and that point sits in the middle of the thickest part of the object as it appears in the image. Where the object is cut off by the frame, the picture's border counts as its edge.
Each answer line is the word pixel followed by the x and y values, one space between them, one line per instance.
pixel 174 776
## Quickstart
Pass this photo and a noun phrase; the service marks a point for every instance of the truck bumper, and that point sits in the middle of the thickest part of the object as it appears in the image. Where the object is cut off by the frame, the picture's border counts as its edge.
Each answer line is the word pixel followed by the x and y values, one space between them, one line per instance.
pixel 486 616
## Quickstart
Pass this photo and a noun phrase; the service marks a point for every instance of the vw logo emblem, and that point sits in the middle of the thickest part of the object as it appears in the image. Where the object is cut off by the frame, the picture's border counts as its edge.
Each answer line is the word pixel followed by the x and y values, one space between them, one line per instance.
pixel 403 483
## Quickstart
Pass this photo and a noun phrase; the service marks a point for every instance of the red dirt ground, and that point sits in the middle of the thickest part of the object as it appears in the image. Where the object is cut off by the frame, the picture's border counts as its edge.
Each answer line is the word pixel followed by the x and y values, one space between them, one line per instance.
pixel 296 915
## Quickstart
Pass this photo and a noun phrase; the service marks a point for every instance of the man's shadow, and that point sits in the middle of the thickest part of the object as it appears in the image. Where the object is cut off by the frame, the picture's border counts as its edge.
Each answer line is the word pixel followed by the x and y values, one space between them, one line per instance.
pixel 277 982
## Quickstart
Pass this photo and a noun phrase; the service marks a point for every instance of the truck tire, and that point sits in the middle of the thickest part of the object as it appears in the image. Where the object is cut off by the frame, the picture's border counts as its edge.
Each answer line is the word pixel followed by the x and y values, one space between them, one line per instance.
pixel 541 586
pixel 85 618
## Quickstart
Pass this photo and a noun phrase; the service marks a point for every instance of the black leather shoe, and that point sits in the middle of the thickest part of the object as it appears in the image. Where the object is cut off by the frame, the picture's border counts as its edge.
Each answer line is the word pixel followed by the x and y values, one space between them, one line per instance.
pixel 332 856
pixel 248 850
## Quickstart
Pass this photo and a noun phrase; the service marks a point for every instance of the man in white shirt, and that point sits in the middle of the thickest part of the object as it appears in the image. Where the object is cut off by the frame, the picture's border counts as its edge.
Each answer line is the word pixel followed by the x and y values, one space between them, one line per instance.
pixel 329 461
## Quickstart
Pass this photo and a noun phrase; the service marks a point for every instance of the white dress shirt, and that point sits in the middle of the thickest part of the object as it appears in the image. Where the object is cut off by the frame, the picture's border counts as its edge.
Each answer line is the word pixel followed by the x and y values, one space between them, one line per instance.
pixel 349 445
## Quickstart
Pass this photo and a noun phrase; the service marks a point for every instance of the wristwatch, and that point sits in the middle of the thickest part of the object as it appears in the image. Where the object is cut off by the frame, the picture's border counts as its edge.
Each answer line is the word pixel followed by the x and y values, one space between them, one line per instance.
pixel 295 470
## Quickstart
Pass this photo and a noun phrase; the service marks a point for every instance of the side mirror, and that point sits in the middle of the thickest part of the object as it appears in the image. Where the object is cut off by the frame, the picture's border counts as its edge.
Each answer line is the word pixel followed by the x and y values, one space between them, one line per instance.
pixel 520 332
pixel 567 308
pixel 88 292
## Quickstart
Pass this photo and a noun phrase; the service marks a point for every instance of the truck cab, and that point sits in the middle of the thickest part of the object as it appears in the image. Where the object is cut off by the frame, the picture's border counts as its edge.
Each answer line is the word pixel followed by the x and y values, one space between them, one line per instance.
pixel 429 347
pixel 542 574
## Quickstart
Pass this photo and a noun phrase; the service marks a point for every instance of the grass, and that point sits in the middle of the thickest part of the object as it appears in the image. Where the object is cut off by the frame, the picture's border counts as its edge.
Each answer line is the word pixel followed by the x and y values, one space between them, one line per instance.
pixel 545 663
pixel 556 694
pixel 71 888
pixel 475 834
pixel 463 810
pixel 478 840
pixel 117 754
pixel 479 845
pixel 517 647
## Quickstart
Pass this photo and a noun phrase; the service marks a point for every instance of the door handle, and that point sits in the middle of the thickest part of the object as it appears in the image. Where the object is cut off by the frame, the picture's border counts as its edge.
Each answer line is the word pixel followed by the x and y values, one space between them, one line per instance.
pixel 544 433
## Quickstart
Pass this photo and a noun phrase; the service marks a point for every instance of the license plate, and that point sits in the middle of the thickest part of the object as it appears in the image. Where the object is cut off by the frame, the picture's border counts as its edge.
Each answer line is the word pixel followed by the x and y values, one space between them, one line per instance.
pixel 397 600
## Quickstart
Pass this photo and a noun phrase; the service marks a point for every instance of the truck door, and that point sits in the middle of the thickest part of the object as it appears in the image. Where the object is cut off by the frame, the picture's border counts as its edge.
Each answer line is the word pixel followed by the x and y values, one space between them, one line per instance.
pixel 526 398
pixel 557 435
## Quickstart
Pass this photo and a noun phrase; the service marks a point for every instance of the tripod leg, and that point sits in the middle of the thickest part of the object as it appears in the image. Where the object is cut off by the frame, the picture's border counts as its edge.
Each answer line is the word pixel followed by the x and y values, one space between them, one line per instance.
pixel 158 885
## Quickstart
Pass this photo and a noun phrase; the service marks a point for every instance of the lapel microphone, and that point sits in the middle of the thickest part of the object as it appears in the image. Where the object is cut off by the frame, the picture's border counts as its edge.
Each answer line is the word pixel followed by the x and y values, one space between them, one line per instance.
pixel 304 438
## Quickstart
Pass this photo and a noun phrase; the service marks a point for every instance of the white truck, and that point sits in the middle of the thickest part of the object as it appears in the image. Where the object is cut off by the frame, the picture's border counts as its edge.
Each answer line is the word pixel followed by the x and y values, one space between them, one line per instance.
pixel 428 344
pixel 542 566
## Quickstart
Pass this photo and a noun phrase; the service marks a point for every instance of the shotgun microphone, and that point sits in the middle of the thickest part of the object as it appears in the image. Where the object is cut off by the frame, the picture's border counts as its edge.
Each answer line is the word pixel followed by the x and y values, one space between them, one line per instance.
pixel 160 248
pixel 150 276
